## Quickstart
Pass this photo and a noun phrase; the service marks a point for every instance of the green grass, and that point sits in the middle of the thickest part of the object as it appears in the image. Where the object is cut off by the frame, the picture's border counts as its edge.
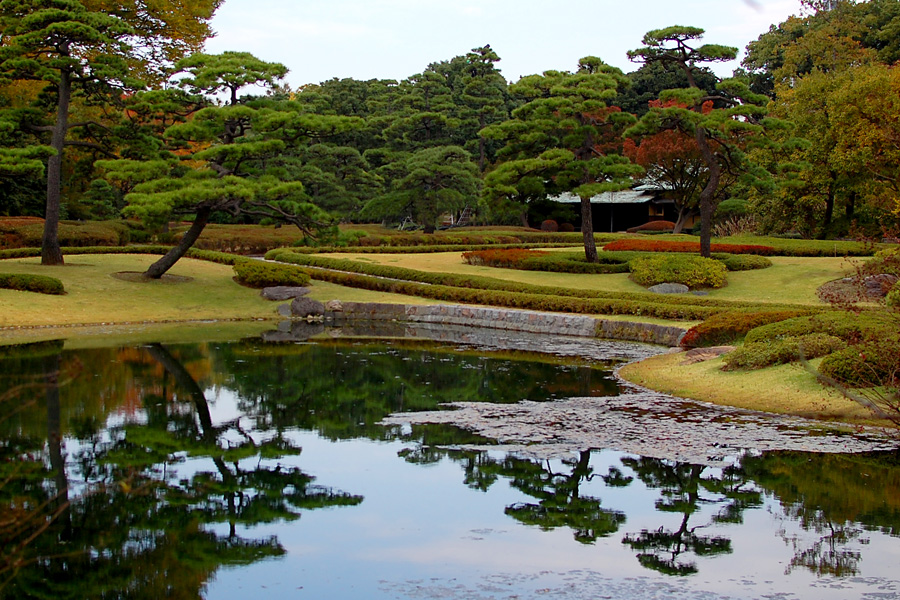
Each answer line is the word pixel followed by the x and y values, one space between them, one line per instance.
pixel 95 296
pixel 784 389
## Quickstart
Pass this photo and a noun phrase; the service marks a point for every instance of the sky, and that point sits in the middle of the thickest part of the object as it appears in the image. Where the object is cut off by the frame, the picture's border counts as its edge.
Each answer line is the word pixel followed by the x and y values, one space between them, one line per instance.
pixel 394 39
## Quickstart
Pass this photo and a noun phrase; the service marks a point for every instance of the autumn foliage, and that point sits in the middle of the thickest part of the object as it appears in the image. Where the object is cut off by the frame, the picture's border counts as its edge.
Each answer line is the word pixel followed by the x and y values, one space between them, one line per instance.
pixel 506 259
pixel 642 245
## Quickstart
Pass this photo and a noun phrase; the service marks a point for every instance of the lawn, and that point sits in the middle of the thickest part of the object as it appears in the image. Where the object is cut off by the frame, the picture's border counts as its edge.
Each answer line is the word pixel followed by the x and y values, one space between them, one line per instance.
pixel 785 389
pixel 95 296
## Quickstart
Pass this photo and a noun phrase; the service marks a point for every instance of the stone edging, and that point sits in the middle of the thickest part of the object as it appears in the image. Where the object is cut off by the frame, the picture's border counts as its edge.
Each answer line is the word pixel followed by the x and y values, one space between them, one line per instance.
pixel 509 319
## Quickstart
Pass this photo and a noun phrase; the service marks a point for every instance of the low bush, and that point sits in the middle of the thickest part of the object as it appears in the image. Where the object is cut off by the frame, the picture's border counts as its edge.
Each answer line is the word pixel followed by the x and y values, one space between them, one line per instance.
pixel 853 328
pixel 653 226
pixel 645 245
pixel 893 297
pixel 549 225
pixel 743 262
pixel 692 271
pixel 566 228
pixel 31 283
pixel 259 274
pixel 870 364
pixel 506 259
pixel 730 326
pixel 767 354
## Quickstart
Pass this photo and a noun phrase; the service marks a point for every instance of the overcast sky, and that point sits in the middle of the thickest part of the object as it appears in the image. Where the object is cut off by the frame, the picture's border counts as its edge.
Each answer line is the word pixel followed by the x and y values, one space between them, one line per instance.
pixel 393 39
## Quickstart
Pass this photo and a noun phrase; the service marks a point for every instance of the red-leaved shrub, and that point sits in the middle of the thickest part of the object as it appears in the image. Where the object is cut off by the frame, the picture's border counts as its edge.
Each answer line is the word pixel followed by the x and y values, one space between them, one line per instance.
pixel 649 245
pixel 653 226
pixel 507 259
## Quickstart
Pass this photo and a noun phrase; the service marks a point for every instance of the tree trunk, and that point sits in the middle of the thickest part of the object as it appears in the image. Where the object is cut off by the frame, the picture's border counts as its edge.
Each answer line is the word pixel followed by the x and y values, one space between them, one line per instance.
pixel 523 216
pixel 683 214
pixel 587 231
pixel 829 213
pixel 157 269
pixel 708 195
pixel 51 254
pixel 54 441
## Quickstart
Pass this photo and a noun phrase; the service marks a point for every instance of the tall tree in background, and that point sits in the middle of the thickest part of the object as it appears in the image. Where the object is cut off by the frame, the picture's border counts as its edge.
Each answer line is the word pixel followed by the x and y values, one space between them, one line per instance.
pixel 70 49
pixel 86 54
pixel 555 140
pixel 721 134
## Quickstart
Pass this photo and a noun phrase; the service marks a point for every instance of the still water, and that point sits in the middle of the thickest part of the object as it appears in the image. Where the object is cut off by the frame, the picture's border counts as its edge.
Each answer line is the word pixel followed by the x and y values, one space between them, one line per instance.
pixel 260 468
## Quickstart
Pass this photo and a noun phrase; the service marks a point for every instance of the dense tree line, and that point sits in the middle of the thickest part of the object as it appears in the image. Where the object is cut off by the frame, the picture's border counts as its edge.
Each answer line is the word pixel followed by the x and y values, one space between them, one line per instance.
pixel 108 111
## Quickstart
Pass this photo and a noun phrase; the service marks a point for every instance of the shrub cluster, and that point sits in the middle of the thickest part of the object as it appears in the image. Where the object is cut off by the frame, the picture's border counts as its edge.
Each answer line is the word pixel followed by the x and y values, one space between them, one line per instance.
pixel 692 271
pixel 847 326
pixel 729 326
pixel 870 364
pixel 645 245
pixel 506 259
pixel 259 274
pixel 31 283
pixel 653 226
pixel 766 354
pixel 743 262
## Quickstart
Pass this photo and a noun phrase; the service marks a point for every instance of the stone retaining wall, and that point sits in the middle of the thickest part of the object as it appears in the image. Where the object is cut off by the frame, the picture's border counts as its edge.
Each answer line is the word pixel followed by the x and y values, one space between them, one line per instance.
pixel 515 320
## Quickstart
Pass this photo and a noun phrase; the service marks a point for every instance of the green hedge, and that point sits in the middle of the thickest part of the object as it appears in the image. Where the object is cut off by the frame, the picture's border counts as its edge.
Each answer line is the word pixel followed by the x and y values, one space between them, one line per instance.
pixel 845 325
pixel 766 354
pixel 31 283
pixel 692 271
pixel 871 364
pixel 408 281
pixel 730 326
pixel 742 262
pixel 259 274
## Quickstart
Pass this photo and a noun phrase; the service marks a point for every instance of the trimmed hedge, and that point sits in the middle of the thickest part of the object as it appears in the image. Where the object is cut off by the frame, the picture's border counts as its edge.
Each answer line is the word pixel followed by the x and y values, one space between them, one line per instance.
pixel 393 279
pixel 420 249
pixel 40 284
pixel 656 226
pixel 692 271
pixel 850 327
pixel 766 354
pixel 556 262
pixel 743 262
pixel 870 364
pixel 259 274
pixel 645 245
pixel 728 327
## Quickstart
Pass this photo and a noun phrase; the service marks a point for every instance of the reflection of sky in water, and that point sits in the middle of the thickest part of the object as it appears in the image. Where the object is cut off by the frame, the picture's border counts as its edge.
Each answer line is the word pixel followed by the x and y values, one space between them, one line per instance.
pixel 421 533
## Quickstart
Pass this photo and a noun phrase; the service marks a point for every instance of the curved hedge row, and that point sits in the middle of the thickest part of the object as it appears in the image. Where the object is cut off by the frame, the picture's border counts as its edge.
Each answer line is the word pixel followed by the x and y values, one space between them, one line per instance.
pixel 422 249
pixel 635 301
pixel 40 284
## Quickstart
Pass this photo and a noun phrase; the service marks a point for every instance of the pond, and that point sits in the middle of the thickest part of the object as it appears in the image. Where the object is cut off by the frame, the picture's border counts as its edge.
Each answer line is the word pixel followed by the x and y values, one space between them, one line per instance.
pixel 287 466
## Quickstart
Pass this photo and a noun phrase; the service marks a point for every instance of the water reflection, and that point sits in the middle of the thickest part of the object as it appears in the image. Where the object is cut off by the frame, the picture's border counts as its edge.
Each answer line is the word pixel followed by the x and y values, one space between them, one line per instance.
pixel 140 472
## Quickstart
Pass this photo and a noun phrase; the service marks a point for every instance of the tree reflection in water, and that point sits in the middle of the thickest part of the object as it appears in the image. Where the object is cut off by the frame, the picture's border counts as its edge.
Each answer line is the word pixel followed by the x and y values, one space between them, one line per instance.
pixel 155 505
pixel 135 523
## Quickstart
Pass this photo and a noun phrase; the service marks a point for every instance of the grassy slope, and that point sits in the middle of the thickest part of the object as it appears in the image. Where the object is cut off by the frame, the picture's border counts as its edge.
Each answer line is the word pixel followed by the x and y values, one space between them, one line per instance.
pixel 786 389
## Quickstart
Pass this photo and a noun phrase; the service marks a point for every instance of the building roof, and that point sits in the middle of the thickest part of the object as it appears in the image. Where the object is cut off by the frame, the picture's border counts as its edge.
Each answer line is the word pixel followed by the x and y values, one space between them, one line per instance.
pixel 621 197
